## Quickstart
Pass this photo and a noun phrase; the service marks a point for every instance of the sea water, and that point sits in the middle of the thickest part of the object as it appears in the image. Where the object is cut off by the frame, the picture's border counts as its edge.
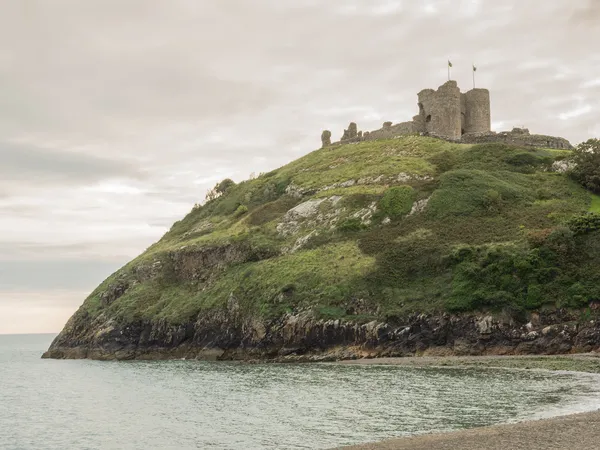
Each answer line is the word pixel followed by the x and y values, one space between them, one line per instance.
pixel 49 404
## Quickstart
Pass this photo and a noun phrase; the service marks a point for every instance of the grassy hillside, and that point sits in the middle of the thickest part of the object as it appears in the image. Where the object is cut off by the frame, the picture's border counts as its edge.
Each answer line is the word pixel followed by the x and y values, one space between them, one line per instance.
pixel 375 230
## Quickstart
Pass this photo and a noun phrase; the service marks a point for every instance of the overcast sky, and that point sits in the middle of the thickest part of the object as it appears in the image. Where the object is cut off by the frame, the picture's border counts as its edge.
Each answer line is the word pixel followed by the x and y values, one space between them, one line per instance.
pixel 117 116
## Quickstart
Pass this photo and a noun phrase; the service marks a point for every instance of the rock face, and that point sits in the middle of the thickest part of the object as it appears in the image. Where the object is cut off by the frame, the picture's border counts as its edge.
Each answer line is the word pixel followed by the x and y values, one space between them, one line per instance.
pixel 227 335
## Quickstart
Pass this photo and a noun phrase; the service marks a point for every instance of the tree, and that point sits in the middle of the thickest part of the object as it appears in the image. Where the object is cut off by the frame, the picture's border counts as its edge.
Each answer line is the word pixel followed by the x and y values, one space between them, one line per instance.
pixel 586 164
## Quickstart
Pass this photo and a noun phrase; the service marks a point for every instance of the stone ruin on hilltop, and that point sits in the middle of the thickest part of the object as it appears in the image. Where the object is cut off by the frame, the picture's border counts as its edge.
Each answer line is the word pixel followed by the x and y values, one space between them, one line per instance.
pixel 451 115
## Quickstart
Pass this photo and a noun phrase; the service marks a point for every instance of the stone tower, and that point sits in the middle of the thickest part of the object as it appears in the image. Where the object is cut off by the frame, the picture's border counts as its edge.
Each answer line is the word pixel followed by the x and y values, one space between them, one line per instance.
pixel 475 108
pixel 448 114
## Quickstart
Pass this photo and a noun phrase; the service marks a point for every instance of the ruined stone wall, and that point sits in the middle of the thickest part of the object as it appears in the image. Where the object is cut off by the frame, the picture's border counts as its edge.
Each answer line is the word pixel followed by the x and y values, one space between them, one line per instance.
pixel 440 111
pixel 476 109
pixel 389 131
pixel 519 138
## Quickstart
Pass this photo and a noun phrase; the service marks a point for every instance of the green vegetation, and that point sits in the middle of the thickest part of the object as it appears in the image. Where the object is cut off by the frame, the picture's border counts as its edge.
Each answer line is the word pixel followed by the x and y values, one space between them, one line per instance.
pixel 397 201
pixel 586 160
pixel 379 229
pixel 595 204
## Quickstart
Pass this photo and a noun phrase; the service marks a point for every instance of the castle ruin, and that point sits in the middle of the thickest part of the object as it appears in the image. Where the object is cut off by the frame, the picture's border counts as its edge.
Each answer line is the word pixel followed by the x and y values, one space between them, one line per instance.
pixel 448 114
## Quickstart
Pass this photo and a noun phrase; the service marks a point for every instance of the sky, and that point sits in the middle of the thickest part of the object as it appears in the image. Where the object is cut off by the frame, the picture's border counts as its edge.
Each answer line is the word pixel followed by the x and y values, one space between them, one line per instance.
pixel 116 116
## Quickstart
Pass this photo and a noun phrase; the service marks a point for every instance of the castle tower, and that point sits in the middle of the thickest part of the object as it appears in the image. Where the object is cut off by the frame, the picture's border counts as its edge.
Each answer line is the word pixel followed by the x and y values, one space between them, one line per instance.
pixel 476 110
pixel 440 111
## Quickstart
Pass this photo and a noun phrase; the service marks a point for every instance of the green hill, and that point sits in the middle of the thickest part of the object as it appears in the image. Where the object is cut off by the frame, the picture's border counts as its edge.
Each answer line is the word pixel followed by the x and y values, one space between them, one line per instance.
pixel 369 232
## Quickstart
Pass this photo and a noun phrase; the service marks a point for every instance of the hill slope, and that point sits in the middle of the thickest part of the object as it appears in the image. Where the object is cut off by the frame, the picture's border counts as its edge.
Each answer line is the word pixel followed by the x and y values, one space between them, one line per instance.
pixel 387 247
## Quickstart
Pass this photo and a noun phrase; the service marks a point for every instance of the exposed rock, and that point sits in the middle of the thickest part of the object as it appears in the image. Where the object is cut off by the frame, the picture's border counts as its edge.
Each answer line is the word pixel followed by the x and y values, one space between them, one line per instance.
pixel 223 334
pixel 295 191
pixel 562 166
pixel 371 180
pixel 365 214
pixel 419 206
pixel 404 177
pixel 309 215
pixel 301 242
pixel 304 210
pixel 485 325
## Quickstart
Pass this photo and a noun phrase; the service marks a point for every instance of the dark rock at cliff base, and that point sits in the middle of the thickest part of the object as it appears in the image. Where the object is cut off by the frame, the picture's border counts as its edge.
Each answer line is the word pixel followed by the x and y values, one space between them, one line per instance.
pixel 303 338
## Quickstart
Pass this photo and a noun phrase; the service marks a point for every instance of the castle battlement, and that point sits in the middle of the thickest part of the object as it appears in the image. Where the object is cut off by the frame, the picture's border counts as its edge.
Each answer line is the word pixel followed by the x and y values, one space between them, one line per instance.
pixel 449 114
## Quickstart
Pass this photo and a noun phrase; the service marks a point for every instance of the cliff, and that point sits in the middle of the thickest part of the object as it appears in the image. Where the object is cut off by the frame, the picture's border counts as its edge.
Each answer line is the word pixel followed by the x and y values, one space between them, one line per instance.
pixel 390 247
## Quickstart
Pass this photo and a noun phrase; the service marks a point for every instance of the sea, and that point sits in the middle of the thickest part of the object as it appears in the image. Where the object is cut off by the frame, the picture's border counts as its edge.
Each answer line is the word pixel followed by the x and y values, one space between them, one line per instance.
pixel 49 404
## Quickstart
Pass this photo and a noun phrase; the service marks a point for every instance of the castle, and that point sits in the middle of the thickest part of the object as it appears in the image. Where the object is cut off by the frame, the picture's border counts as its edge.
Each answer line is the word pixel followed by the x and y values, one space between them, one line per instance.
pixel 448 114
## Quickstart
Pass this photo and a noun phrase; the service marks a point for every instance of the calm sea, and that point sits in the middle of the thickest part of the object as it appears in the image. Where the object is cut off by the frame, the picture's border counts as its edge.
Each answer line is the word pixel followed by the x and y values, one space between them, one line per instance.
pixel 47 404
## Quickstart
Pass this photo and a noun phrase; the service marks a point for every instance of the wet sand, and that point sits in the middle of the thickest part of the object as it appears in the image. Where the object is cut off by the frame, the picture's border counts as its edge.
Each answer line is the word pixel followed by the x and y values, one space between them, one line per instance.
pixel 573 432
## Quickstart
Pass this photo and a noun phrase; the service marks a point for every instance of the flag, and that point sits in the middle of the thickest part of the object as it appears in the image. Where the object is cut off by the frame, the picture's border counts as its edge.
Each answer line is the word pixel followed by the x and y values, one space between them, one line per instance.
pixel 449 63
pixel 474 68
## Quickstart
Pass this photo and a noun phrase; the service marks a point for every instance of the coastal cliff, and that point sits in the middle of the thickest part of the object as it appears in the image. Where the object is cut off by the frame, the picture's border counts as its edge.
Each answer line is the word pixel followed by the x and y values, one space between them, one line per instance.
pixel 397 247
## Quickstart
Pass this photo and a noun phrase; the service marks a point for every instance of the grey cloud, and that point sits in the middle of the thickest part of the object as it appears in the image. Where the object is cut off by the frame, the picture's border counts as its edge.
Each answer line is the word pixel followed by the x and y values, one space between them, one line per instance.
pixel 126 112
pixel 54 274
pixel 43 164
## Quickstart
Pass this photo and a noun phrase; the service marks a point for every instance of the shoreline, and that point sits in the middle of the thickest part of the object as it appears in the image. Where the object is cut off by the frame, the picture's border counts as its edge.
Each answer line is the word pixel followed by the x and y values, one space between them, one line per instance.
pixel 579 431
pixel 575 362
pixel 573 431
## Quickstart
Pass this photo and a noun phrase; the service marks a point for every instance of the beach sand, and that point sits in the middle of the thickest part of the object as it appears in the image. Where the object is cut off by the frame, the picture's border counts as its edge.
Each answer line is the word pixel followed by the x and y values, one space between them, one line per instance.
pixel 573 432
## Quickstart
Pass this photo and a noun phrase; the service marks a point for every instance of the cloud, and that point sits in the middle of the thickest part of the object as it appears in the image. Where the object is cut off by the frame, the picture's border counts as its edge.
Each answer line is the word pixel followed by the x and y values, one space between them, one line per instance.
pixel 21 161
pixel 116 117
pixel 54 274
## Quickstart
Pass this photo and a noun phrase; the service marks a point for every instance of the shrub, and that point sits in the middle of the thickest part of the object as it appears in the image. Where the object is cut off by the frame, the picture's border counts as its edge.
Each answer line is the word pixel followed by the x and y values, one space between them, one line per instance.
pixel 492 200
pixel 351 225
pixel 468 192
pixel 397 201
pixel 561 240
pixel 444 161
pixel 585 223
pixel 240 211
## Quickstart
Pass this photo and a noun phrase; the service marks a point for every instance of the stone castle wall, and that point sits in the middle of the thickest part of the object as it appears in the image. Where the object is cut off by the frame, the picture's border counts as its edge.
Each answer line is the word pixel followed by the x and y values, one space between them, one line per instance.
pixel 440 111
pixel 449 114
pixel 519 138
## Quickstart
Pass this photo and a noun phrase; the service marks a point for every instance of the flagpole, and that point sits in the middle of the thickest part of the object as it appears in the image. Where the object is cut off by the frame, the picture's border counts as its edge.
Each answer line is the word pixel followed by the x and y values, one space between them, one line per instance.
pixel 473 76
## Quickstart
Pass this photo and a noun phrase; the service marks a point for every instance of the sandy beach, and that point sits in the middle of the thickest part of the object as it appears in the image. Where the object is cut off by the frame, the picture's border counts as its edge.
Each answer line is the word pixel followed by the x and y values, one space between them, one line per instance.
pixel 573 432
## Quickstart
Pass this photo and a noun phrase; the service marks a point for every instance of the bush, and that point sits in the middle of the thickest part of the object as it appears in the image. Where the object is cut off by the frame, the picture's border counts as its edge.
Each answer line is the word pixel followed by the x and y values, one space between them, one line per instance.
pixel 444 161
pixel 586 162
pixel 397 201
pixel 469 192
pixel 561 240
pixel 351 225
pixel 240 211
pixel 585 223
pixel 492 200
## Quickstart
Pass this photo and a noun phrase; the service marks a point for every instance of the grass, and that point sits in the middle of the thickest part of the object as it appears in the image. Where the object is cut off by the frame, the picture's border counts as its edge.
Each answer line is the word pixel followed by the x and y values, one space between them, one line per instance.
pixel 595 204
pixel 499 208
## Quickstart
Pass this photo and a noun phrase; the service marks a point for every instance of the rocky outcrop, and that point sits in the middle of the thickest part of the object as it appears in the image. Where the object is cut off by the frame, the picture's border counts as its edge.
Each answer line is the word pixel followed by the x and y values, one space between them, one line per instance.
pixel 225 334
